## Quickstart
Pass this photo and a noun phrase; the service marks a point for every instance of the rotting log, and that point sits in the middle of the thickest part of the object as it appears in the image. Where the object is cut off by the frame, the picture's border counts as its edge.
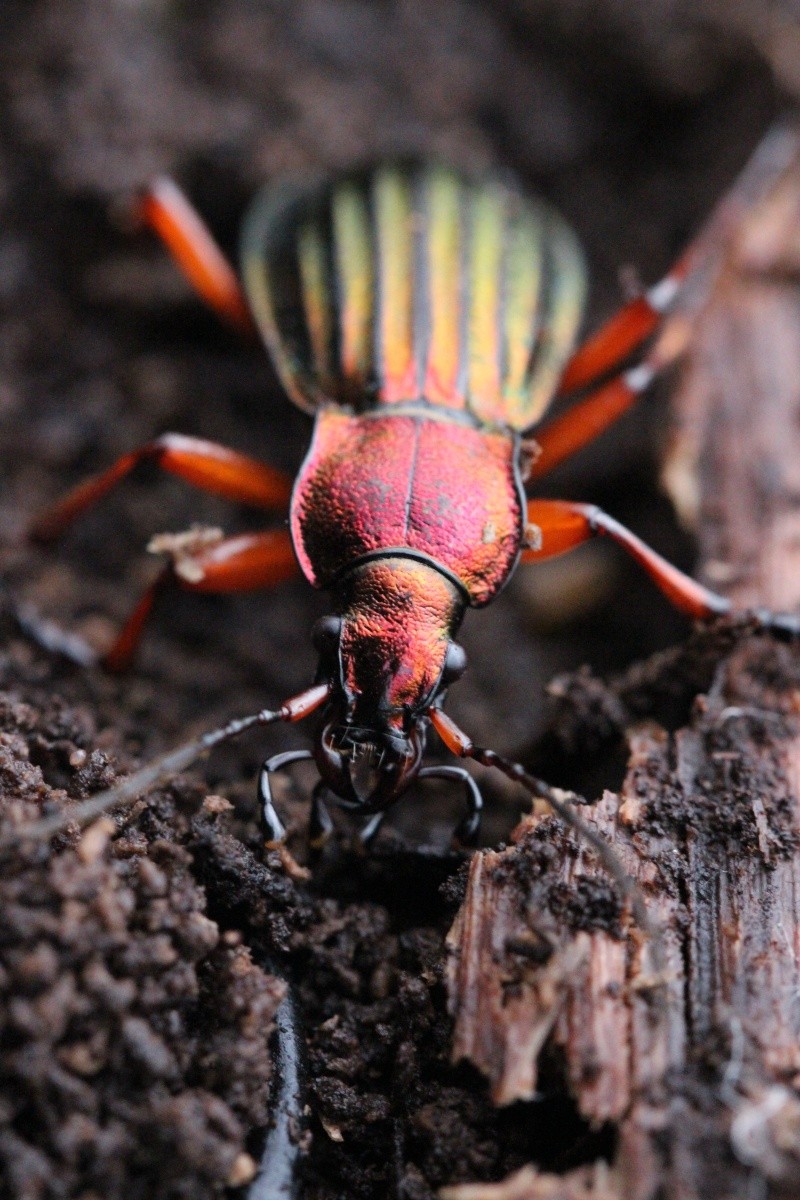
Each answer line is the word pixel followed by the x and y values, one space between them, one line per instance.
pixel 691 1046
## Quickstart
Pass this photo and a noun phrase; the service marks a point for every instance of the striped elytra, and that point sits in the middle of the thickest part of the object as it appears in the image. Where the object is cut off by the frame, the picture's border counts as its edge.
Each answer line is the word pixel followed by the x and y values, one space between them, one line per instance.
pixel 414 284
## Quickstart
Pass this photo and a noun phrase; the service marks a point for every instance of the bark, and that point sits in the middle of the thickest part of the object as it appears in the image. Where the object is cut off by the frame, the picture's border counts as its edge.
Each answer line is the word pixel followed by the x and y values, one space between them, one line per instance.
pixel 689 1044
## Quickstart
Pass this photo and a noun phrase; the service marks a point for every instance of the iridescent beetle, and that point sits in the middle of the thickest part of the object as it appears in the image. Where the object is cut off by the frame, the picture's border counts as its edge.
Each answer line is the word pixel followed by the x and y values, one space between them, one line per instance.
pixel 426 320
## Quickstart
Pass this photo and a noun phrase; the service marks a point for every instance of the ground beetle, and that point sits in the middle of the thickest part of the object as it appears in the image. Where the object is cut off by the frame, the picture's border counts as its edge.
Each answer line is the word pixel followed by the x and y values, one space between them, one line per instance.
pixel 427 320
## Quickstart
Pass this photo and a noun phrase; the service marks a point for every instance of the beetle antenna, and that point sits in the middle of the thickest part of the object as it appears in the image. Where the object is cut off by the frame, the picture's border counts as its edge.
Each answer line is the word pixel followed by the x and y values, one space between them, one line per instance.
pixel 167 766
pixel 561 803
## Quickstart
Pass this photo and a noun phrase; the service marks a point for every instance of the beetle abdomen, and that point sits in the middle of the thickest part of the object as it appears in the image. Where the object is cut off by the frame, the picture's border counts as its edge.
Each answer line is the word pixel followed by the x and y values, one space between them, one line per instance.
pixel 414 284
pixel 375 483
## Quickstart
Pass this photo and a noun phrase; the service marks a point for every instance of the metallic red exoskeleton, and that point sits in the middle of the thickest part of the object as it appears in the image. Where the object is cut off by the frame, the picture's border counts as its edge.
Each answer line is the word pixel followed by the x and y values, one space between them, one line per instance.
pixel 426 320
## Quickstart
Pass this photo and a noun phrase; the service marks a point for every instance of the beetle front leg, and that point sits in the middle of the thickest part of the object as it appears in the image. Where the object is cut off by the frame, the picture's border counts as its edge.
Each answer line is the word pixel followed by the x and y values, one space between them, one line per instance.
pixel 468 829
pixel 273 828
pixel 368 832
pixel 320 825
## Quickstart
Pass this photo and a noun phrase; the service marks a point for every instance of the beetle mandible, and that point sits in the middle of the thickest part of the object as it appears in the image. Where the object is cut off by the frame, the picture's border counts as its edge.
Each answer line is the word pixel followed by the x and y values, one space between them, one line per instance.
pixel 426 319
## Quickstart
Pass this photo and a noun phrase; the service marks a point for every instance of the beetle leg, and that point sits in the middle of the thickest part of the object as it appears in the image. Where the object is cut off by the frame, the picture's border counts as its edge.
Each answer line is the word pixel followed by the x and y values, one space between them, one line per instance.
pixel 164 209
pixel 320 825
pixel 468 830
pixel 625 331
pixel 585 421
pixel 237 564
pixel 599 356
pixel 369 831
pixel 556 526
pixel 206 465
pixel 273 828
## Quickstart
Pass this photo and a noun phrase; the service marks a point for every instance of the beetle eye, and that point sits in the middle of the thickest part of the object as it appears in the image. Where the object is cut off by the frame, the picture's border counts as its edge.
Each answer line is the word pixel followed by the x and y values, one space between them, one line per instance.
pixel 326 632
pixel 455 663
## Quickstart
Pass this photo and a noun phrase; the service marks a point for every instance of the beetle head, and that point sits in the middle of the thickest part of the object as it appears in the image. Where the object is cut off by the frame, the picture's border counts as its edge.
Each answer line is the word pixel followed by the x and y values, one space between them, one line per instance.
pixel 388 657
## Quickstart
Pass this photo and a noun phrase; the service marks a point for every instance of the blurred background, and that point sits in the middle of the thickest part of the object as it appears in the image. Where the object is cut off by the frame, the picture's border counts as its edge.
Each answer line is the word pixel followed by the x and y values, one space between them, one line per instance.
pixel 632 118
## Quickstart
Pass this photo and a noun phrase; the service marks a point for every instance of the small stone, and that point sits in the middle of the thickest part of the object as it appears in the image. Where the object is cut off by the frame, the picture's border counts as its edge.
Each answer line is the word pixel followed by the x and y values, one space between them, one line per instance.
pixel 243 1170
pixel 333 1131
pixel 94 841
pixel 216 805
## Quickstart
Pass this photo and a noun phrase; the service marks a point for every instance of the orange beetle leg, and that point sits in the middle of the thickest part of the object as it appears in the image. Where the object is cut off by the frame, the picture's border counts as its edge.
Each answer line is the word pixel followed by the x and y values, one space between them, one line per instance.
pixel 625 331
pixel 164 209
pixel 556 526
pixel 206 465
pixel 610 346
pixel 237 564
pixel 590 417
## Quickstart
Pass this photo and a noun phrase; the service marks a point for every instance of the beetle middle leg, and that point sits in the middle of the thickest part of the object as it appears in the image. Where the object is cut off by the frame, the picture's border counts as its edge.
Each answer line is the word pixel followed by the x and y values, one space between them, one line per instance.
pixel 205 465
pixel 232 564
pixel 599 356
pixel 246 562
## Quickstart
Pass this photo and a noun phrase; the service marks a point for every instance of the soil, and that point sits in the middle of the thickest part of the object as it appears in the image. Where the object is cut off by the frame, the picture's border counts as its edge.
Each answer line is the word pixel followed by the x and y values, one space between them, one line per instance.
pixel 141 964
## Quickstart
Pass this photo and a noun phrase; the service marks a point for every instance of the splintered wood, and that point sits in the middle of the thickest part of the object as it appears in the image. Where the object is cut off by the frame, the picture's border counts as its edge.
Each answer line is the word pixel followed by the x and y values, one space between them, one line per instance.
pixel 692 1053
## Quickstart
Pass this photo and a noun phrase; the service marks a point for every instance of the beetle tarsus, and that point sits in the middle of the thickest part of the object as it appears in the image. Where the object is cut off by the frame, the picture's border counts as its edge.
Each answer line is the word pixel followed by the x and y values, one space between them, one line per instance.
pixel 368 832
pixel 783 626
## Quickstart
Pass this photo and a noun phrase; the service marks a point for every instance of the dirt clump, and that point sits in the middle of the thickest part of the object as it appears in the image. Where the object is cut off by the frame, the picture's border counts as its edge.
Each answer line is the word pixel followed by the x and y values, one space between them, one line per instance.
pixel 133 1032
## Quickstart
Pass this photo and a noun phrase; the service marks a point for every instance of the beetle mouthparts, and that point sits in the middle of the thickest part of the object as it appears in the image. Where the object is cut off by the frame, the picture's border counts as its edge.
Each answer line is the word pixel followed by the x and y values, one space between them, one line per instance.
pixel 359 751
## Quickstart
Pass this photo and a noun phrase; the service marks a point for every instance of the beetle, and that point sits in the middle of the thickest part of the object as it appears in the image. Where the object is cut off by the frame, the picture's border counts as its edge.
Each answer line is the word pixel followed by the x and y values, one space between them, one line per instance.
pixel 426 319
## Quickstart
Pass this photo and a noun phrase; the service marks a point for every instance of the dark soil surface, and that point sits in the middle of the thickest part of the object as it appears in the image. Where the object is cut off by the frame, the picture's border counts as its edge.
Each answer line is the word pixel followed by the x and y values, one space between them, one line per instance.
pixel 136 962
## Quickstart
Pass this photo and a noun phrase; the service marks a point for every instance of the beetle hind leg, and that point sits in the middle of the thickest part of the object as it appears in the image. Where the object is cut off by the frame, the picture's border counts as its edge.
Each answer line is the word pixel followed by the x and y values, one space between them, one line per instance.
pixel 163 208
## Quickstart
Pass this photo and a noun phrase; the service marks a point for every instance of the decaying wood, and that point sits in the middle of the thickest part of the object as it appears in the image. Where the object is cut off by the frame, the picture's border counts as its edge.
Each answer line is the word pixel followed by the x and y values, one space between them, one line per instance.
pixel 698 1064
